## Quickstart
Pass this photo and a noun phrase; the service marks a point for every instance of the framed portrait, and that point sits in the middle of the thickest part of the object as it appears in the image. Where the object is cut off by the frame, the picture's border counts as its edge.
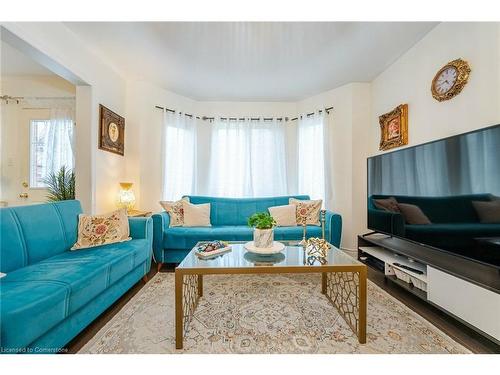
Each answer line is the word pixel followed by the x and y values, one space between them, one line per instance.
pixel 394 128
pixel 111 131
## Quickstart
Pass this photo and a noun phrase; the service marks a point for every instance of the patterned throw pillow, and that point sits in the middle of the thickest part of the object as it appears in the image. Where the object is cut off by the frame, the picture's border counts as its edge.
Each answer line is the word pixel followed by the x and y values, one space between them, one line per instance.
pixel 175 211
pixel 308 209
pixel 95 230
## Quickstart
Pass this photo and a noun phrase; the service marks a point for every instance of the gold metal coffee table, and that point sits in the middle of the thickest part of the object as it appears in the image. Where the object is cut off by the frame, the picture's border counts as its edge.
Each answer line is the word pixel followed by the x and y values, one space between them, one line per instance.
pixel 343 280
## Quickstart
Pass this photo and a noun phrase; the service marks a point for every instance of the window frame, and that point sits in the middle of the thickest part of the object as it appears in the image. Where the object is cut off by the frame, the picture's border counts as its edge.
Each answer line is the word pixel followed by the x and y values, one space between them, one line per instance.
pixel 32 123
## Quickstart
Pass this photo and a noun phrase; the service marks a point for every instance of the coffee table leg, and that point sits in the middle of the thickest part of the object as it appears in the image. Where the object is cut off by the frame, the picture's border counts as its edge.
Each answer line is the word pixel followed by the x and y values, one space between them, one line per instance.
pixel 200 285
pixel 324 280
pixel 362 306
pixel 187 293
pixel 179 324
pixel 347 292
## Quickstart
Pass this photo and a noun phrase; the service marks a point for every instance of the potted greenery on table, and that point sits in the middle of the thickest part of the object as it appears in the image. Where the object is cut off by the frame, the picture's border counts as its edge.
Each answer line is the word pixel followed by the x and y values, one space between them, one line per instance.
pixel 263 234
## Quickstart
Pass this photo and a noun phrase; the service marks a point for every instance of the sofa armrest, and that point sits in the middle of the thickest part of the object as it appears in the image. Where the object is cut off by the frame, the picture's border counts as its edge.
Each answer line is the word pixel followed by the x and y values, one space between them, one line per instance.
pixel 141 227
pixel 161 221
pixel 388 222
pixel 333 228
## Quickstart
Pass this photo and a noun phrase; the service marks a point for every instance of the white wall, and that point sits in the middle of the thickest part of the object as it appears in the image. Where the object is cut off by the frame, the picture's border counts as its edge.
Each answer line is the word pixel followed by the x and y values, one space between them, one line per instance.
pixel 408 80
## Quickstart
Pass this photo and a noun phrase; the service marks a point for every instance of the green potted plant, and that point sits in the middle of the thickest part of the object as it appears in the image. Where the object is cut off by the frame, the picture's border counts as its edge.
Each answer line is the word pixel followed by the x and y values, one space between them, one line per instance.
pixel 263 234
pixel 60 185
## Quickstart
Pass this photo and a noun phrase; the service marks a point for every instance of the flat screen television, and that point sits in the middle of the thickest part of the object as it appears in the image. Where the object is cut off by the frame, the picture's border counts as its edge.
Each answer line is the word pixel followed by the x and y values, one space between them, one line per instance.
pixel 444 194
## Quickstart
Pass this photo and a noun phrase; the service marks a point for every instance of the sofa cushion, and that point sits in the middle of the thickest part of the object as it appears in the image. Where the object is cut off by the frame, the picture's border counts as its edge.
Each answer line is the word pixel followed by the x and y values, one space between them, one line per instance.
pixel 488 212
pixel 413 214
pixel 389 204
pixel 285 216
pixel 36 232
pixel 86 272
pixel 29 309
pixel 186 238
pixel 196 215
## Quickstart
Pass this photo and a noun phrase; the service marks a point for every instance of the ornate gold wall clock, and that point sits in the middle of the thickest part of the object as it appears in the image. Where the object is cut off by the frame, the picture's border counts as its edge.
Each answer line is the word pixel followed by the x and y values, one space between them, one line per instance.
pixel 450 80
pixel 111 131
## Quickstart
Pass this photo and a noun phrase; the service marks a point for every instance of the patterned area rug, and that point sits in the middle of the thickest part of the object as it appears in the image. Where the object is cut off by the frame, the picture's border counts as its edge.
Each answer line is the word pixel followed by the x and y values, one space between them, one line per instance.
pixel 265 314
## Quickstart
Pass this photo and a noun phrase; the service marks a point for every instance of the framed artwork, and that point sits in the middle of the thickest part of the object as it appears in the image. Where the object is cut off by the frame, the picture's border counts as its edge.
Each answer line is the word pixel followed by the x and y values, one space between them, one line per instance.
pixel 111 131
pixel 394 128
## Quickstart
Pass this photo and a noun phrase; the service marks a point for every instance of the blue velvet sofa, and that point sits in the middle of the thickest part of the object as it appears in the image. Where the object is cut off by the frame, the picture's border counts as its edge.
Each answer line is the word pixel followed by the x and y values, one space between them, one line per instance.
pixel 50 293
pixel 228 217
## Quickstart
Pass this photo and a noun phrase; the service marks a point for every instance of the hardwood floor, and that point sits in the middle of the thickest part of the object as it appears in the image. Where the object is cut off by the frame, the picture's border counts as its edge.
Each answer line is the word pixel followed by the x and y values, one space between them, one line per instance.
pixel 458 331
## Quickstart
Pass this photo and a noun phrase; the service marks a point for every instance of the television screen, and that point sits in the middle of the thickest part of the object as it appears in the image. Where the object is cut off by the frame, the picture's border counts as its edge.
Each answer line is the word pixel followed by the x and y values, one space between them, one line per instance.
pixel 444 194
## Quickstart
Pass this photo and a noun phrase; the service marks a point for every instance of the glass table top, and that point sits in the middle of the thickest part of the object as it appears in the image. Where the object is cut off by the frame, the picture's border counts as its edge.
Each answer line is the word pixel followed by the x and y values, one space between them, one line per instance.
pixel 293 255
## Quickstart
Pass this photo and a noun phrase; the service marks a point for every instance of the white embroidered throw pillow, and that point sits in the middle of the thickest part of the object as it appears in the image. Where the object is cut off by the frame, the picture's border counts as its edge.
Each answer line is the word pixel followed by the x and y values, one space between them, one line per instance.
pixel 308 209
pixel 175 211
pixel 95 230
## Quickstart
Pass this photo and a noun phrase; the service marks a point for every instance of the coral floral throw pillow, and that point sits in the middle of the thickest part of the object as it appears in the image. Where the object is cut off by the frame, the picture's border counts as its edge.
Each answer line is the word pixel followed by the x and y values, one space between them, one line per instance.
pixel 95 230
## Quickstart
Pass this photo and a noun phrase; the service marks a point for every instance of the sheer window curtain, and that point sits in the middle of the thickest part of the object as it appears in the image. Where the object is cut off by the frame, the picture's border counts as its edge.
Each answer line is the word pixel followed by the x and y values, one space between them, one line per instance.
pixel 58 139
pixel 179 155
pixel 313 156
pixel 248 158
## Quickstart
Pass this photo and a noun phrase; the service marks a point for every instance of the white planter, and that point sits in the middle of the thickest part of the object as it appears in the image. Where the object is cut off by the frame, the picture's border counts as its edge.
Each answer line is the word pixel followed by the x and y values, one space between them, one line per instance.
pixel 263 238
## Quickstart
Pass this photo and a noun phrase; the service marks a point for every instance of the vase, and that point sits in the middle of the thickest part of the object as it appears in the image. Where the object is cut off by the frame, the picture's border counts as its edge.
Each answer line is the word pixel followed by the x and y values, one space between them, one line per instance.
pixel 263 238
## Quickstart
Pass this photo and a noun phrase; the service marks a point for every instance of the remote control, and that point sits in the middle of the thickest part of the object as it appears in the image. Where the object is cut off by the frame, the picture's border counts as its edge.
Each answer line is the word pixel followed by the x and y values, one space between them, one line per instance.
pixel 408 268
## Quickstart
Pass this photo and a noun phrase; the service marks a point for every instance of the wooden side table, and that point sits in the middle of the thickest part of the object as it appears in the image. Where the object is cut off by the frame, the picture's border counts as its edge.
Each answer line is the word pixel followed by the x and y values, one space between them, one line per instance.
pixel 138 213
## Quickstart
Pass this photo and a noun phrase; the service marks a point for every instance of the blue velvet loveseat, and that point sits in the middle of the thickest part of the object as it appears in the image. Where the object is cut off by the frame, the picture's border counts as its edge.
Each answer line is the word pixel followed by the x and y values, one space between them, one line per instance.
pixel 49 293
pixel 229 217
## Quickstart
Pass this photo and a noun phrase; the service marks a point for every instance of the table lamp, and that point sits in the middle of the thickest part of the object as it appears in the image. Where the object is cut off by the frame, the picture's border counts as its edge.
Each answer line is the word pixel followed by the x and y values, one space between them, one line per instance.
pixel 126 197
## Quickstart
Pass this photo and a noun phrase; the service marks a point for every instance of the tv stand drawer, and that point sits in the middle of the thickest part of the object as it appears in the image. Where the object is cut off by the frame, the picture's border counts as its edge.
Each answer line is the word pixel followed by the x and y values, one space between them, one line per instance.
pixel 477 306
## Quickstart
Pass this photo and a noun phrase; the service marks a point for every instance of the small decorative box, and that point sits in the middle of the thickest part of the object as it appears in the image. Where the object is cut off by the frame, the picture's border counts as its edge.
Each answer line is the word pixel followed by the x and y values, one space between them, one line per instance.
pixel 211 249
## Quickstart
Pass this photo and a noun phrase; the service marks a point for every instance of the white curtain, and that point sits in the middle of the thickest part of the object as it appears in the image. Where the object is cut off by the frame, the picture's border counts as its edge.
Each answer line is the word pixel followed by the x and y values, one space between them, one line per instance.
pixel 247 158
pixel 313 157
pixel 179 155
pixel 58 140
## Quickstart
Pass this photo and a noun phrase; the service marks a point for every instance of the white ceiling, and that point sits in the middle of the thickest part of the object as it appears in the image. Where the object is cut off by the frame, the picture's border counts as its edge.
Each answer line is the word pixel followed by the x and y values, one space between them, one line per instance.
pixel 16 63
pixel 242 61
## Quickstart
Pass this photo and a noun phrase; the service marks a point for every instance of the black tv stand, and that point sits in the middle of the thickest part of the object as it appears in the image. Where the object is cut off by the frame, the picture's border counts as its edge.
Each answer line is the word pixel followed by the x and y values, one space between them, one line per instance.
pixel 441 275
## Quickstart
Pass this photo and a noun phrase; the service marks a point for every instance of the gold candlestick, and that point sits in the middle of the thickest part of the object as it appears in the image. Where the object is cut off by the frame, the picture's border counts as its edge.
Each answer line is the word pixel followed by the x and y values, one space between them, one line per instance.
pixel 322 218
pixel 304 231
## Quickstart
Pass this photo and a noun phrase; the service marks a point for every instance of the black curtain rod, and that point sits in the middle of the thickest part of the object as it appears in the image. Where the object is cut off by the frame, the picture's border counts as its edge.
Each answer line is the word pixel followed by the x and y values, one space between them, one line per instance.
pixel 312 113
pixel 241 118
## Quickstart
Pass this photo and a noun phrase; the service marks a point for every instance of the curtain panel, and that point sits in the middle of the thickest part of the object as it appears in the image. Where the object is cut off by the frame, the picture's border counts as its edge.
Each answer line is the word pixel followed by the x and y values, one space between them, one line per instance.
pixel 246 157
pixel 313 157
pixel 179 153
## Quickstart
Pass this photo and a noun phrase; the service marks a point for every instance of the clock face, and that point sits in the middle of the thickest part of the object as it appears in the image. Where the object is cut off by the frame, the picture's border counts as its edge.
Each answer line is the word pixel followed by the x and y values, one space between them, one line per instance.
pixel 446 80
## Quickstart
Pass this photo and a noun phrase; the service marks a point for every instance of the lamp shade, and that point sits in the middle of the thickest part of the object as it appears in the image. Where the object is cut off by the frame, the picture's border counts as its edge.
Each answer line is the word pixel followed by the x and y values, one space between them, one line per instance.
pixel 126 197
